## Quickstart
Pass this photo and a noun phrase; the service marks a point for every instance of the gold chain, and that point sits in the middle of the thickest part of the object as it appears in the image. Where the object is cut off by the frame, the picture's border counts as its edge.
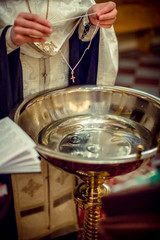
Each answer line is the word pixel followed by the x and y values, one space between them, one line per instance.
pixel 27 1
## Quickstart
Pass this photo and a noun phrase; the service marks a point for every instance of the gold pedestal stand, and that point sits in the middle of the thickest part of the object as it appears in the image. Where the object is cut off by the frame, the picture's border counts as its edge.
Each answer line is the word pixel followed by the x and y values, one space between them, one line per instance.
pixel 87 196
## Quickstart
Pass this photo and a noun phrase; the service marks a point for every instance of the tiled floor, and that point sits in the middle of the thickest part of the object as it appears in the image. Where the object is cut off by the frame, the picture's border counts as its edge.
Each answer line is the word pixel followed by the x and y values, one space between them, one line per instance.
pixel 140 71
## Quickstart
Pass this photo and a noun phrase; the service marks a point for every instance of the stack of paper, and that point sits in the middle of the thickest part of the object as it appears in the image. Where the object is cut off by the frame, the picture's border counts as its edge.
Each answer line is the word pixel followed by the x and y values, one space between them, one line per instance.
pixel 17 149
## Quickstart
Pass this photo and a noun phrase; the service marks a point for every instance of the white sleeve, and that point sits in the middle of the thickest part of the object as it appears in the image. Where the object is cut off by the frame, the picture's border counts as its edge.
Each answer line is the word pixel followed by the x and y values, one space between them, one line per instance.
pixel 108 57
pixel 9 44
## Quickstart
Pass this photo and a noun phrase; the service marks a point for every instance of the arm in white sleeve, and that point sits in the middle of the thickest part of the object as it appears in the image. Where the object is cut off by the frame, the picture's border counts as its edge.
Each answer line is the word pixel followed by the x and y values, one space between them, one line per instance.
pixel 9 44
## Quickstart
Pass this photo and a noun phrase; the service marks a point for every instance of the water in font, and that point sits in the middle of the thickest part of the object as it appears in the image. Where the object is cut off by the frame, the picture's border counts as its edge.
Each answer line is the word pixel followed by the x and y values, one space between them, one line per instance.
pixel 96 137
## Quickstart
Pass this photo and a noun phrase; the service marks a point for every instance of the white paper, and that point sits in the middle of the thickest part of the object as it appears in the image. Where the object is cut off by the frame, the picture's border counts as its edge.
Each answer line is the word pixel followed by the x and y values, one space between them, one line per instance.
pixel 17 149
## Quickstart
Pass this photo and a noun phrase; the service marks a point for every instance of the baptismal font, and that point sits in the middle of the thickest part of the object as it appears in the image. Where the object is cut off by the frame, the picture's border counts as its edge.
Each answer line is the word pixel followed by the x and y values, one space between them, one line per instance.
pixel 95 133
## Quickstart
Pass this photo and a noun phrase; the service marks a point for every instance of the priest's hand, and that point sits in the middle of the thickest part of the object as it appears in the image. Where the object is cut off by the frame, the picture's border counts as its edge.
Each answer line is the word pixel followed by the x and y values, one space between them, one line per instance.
pixel 105 14
pixel 29 28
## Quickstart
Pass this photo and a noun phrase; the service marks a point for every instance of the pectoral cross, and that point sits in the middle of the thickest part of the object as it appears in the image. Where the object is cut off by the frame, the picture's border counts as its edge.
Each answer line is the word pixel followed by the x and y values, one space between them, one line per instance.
pixel 73 77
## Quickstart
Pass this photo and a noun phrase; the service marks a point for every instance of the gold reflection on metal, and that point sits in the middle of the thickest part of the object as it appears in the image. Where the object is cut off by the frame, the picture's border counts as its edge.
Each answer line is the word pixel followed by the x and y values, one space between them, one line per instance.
pixel 88 197
pixel 140 148
pixel 79 107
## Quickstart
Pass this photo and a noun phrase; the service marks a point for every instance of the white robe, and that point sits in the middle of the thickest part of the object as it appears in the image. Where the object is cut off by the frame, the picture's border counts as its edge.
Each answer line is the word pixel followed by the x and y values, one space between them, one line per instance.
pixel 41 72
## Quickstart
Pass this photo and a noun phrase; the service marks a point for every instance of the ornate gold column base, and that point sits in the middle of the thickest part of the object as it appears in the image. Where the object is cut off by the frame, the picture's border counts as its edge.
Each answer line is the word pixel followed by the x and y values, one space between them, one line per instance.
pixel 92 216
pixel 88 197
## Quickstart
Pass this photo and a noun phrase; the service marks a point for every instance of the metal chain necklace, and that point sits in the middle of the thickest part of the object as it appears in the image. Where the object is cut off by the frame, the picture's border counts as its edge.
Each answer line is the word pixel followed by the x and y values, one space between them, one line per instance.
pixel 72 69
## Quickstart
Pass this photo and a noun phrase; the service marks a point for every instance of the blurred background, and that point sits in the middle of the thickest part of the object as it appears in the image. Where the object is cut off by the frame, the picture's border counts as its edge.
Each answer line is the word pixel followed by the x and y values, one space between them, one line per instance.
pixel 138 32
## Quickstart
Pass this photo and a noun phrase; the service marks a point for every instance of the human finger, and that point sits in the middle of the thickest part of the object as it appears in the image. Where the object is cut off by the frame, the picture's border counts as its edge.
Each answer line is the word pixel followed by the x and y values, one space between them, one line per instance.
pixel 21 39
pixel 105 25
pixel 110 21
pixel 107 15
pixel 35 18
pixel 106 7
pixel 27 23
pixel 29 32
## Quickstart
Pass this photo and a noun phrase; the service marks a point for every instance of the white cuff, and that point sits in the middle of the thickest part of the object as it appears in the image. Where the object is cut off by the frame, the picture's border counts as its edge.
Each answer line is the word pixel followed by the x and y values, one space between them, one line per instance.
pixel 9 44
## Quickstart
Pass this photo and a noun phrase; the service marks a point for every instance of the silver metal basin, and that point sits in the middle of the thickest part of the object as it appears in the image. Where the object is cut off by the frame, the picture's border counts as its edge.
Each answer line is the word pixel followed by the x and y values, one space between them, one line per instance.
pixel 90 128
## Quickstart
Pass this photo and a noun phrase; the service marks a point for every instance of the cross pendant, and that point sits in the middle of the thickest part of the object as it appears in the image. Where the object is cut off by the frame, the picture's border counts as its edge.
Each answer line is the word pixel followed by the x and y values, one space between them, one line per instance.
pixel 72 78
